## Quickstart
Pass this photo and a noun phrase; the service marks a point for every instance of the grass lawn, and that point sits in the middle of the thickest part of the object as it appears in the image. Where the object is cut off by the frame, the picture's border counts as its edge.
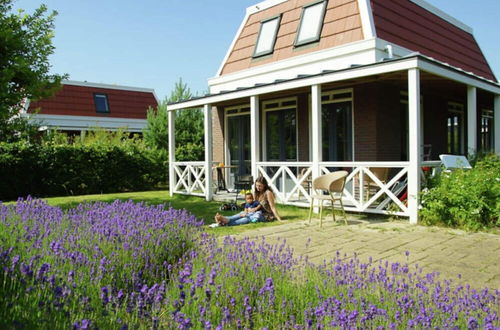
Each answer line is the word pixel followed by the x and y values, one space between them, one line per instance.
pixel 196 205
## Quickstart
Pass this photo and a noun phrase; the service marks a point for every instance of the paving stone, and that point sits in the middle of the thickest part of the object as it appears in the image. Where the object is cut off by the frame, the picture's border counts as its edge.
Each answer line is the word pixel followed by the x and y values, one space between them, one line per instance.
pixel 451 252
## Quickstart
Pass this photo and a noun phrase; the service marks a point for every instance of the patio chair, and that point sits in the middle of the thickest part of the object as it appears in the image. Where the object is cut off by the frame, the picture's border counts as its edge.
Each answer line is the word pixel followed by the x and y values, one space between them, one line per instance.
pixel 381 173
pixel 328 187
pixel 242 182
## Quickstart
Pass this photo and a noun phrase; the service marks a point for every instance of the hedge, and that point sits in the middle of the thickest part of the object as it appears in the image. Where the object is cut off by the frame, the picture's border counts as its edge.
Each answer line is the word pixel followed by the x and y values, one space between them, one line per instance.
pixel 55 170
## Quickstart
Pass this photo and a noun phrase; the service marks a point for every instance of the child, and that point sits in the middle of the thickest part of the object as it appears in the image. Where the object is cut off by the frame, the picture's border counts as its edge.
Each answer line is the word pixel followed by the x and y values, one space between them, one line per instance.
pixel 252 208
pixel 252 213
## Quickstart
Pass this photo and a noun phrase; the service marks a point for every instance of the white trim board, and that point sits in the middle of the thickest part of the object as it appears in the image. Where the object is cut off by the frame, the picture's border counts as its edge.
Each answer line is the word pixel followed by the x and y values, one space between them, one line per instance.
pixel 64 122
pixel 416 61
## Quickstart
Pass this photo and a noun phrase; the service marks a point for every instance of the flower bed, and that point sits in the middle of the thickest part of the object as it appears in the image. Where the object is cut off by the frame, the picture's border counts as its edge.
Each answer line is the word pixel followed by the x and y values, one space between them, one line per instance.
pixel 128 265
pixel 105 262
pixel 248 284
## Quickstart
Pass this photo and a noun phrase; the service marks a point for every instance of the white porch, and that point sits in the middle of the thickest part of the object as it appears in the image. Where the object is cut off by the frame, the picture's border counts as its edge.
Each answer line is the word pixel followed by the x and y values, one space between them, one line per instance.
pixel 289 180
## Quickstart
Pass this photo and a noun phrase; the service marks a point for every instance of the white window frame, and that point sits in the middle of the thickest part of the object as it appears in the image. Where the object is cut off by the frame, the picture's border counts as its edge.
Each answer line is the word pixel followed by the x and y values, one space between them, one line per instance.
pixel 240 112
pixel 331 94
pixel 458 108
pixel 488 113
pixel 264 122
pixel 272 42
pixel 304 19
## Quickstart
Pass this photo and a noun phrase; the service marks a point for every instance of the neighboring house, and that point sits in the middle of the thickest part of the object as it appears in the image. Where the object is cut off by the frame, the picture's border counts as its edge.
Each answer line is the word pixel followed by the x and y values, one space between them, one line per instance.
pixel 80 106
pixel 308 87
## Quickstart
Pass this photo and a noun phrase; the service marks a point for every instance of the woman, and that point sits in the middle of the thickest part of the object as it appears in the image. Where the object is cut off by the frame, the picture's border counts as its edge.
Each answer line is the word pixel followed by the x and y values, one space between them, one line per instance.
pixel 265 196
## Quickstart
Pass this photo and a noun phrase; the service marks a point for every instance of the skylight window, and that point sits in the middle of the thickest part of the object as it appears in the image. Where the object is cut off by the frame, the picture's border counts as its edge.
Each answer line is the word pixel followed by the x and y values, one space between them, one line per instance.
pixel 267 36
pixel 311 23
pixel 101 102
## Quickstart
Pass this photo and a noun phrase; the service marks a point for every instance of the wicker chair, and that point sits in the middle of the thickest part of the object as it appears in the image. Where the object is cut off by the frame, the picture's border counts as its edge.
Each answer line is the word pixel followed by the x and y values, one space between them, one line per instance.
pixel 333 185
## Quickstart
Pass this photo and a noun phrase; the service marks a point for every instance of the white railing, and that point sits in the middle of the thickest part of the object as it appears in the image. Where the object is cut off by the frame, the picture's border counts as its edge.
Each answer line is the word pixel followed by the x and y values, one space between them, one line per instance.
pixel 288 180
pixel 364 191
pixel 292 183
pixel 189 178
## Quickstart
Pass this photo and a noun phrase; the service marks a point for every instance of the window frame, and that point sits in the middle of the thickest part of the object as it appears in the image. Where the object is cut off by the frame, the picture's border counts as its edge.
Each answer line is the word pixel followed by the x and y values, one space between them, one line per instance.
pixel 456 109
pixel 346 96
pixel 105 96
pixel 280 106
pixel 317 37
pixel 273 42
pixel 487 118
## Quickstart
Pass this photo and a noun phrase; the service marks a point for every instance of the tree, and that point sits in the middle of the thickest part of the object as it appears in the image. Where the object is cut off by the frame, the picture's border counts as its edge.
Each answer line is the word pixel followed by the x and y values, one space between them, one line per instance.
pixel 25 45
pixel 189 131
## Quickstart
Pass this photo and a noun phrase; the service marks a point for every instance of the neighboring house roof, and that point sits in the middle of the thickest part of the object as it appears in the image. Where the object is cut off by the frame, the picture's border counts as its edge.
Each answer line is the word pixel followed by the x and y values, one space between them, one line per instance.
pixel 73 107
pixel 411 25
pixel 77 99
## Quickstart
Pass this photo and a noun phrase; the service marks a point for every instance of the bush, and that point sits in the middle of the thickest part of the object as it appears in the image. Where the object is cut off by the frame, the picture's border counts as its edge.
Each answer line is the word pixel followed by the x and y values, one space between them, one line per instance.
pixel 468 199
pixel 54 170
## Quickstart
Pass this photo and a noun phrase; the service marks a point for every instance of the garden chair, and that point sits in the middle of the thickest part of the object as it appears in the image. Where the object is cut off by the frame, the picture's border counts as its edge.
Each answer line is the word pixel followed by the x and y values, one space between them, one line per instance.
pixel 381 173
pixel 328 187
pixel 242 182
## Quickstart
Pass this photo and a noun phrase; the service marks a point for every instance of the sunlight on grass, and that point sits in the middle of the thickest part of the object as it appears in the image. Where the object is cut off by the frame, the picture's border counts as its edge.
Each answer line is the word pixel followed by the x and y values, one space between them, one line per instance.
pixel 196 205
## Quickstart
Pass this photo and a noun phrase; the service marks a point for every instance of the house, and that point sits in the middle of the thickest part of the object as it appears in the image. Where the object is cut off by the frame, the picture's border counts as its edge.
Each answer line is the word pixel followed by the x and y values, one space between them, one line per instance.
pixel 312 86
pixel 80 106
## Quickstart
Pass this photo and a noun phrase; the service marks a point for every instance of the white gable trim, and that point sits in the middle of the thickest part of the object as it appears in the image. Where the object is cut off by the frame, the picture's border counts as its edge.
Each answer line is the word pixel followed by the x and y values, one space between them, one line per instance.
pixel 263 6
pixel 365 11
pixel 438 12
pixel 230 49
pixel 250 11
pixel 273 70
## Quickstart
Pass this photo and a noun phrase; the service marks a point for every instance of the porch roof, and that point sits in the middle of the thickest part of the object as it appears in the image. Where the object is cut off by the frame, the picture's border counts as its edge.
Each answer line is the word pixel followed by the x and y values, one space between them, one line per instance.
pixel 415 60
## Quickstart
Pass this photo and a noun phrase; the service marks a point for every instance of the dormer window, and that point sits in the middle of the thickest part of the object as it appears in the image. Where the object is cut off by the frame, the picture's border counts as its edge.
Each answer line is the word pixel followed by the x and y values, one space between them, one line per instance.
pixel 311 23
pixel 267 36
pixel 101 103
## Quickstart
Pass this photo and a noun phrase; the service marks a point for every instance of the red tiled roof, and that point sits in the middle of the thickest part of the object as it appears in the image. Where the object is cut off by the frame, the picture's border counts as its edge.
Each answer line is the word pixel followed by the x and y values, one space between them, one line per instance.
pixel 342 25
pixel 79 101
pixel 406 24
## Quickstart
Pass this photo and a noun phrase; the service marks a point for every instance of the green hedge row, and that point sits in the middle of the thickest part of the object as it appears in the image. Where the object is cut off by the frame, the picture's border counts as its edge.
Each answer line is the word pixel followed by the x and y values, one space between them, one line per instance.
pixel 55 170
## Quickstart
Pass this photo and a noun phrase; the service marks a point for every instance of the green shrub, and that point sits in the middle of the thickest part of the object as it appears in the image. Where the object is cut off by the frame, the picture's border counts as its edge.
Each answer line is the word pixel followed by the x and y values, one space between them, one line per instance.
pixel 468 199
pixel 61 169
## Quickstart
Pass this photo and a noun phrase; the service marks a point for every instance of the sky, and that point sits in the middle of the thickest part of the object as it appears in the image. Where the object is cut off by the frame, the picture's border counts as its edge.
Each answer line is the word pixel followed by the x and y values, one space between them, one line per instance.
pixel 154 43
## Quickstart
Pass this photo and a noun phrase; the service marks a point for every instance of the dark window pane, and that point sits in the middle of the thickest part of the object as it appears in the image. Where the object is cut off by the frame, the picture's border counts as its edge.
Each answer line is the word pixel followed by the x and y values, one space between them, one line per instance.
pixel 337 131
pixel 101 102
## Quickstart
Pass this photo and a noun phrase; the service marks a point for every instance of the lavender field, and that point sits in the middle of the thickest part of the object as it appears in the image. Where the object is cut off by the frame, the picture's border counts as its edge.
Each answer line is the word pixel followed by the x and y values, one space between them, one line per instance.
pixel 125 266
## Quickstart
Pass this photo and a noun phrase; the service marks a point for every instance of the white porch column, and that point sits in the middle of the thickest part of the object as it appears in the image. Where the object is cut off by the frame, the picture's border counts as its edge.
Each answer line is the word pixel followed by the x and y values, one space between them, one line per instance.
pixel 496 118
pixel 471 120
pixel 316 129
pixel 207 111
pixel 254 134
pixel 415 139
pixel 171 152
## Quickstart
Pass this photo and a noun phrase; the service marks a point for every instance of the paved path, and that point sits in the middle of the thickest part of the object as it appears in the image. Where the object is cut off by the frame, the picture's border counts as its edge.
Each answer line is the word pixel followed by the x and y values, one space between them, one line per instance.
pixel 476 256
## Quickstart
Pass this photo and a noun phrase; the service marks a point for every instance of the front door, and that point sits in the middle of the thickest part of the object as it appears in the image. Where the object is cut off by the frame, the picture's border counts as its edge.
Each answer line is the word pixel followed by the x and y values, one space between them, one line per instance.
pixel 239 144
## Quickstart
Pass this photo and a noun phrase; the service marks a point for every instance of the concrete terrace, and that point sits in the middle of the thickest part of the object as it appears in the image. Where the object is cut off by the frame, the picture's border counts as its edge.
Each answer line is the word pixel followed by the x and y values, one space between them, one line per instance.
pixel 476 256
